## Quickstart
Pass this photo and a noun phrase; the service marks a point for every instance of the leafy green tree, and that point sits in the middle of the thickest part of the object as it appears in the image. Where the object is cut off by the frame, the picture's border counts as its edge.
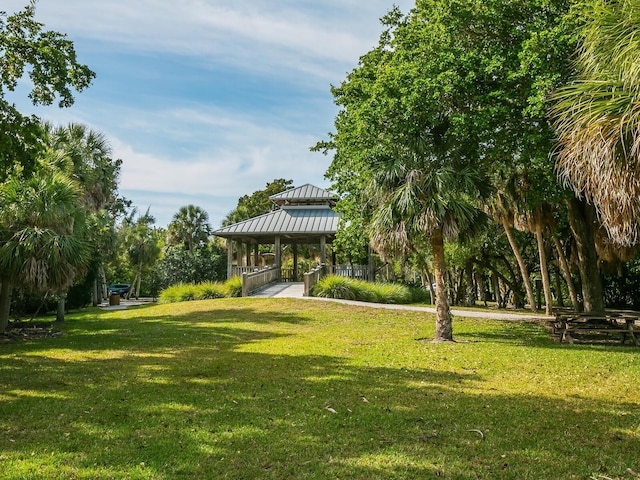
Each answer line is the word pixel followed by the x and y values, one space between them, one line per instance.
pixel 407 147
pixel 178 265
pixel 257 203
pixel 49 59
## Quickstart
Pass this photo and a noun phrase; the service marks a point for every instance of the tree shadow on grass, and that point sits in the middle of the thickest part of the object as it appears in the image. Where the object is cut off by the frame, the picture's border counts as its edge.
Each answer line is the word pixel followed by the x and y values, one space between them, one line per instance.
pixel 167 406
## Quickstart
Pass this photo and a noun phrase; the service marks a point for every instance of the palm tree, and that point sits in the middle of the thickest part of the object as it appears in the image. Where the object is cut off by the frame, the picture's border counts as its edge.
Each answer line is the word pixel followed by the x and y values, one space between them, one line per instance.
pixel 86 155
pixel 91 161
pixel 42 243
pixel 418 196
pixel 598 119
pixel 141 246
pixel 190 227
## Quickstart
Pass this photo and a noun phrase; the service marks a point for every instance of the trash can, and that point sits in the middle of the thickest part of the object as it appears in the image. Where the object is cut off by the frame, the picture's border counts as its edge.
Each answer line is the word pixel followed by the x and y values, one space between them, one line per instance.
pixel 114 298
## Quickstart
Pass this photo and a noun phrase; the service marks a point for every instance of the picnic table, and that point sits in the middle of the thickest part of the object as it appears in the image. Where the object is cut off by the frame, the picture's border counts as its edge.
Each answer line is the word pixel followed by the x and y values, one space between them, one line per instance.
pixel 568 325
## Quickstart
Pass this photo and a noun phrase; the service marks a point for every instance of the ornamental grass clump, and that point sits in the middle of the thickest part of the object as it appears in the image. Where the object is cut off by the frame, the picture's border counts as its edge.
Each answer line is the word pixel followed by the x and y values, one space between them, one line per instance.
pixel 211 290
pixel 334 286
pixel 233 287
pixel 393 293
pixel 178 293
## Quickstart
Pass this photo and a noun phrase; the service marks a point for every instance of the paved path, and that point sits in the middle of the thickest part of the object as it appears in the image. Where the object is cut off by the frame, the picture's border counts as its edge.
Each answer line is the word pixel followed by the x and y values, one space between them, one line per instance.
pixel 295 290
pixel 124 303
pixel 281 290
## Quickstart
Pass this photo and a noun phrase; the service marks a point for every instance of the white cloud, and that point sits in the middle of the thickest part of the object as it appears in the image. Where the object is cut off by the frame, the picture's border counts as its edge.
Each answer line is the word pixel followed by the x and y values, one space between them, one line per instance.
pixel 211 150
pixel 316 39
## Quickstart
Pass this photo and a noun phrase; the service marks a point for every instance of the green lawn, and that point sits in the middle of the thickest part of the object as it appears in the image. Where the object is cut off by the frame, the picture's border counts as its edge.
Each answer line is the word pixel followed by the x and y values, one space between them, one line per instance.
pixel 279 389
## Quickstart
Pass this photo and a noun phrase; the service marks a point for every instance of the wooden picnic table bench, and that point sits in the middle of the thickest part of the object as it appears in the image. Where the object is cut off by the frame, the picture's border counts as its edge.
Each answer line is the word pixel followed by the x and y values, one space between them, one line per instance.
pixel 622 323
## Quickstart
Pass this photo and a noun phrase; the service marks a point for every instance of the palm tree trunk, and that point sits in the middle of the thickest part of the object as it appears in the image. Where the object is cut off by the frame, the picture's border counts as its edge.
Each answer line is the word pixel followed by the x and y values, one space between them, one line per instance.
pixel 496 289
pixel 470 291
pixel 566 273
pixel 5 304
pixel 521 265
pixel 544 269
pixel 581 218
pixel 61 307
pixel 444 323
pixel 139 284
pixel 103 282
pixel 559 296
pixel 94 294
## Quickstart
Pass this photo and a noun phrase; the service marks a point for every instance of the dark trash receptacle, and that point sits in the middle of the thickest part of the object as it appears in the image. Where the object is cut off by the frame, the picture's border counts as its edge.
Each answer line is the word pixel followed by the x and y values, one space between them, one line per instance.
pixel 114 299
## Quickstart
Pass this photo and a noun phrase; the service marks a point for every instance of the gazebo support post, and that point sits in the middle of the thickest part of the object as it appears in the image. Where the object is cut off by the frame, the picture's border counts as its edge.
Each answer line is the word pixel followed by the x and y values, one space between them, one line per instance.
pixel 323 249
pixel 278 257
pixel 295 262
pixel 229 258
pixel 256 254
pixel 249 255
pixel 239 253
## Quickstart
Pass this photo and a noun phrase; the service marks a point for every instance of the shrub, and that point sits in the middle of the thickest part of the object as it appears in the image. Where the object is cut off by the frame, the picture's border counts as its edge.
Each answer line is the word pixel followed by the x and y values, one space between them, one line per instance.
pixel 183 292
pixel 210 290
pixel 393 293
pixel 334 286
pixel 233 287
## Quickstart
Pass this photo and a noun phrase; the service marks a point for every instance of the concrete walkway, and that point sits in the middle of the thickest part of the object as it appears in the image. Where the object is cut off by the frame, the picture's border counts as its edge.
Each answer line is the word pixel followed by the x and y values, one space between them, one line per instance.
pixel 281 290
pixel 124 303
pixel 296 290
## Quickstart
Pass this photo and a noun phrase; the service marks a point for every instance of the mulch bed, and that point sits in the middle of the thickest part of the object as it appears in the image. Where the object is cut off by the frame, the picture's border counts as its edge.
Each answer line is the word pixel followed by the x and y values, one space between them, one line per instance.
pixel 18 331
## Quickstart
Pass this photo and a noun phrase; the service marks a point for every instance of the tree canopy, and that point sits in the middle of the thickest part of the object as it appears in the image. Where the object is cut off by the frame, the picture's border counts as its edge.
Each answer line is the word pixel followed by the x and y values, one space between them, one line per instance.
pixel 49 59
pixel 257 203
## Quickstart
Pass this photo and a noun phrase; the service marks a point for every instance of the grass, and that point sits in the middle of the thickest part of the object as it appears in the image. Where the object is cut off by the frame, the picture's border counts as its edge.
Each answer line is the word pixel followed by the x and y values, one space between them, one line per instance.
pixel 282 388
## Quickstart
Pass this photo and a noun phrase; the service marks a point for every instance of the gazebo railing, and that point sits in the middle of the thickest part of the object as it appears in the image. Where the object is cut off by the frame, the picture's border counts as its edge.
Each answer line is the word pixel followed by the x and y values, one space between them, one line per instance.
pixel 352 271
pixel 313 277
pixel 256 280
pixel 238 271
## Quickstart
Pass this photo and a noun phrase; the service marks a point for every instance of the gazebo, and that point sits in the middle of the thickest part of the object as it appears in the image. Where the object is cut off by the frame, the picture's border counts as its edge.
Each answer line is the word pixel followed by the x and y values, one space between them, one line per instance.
pixel 301 216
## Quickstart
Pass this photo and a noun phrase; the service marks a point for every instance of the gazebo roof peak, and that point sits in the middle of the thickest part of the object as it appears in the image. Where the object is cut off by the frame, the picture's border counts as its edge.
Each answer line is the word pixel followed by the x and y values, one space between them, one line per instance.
pixel 306 194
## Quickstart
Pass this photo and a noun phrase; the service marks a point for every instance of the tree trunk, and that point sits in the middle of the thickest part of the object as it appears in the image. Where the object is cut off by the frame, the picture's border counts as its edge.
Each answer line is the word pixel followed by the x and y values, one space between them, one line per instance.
pixel 61 307
pixel 5 304
pixel 496 289
pixel 544 269
pixel 581 221
pixel 432 291
pixel 521 265
pixel 444 323
pixel 103 282
pixel 566 273
pixel 559 296
pixel 470 294
pixel 481 280
pixel 94 294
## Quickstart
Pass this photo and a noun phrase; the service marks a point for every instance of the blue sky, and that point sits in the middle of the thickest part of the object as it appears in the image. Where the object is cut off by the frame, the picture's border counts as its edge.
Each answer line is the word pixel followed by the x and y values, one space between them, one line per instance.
pixel 208 100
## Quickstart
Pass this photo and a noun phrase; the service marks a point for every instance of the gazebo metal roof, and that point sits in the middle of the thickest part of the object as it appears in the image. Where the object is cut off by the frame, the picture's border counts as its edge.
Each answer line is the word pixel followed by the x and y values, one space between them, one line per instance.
pixel 305 194
pixel 304 214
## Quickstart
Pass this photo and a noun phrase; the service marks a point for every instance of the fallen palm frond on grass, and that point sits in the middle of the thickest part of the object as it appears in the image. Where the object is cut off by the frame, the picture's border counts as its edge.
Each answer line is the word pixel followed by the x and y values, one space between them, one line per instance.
pixel 281 388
